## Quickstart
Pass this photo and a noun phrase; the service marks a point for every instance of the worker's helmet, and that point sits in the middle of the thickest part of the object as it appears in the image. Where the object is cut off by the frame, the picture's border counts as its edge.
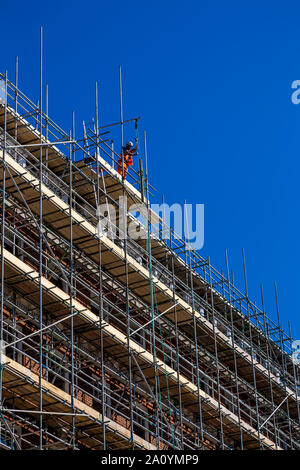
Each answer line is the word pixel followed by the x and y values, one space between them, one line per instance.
pixel 129 144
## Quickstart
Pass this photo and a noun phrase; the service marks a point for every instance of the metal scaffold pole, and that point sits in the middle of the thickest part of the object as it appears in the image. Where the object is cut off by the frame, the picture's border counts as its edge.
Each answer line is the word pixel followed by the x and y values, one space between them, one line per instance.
pixel 72 290
pixel 234 351
pixel 123 217
pixel 41 370
pixel 101 318
pixel 2 246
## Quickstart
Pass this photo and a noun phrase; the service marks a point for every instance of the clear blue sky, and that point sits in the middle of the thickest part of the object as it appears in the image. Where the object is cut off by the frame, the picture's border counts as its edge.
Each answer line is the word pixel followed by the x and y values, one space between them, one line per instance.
pixel 212 81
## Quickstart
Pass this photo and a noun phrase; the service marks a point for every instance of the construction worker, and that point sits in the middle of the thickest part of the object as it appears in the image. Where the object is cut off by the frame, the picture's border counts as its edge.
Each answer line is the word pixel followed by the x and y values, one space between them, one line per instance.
pixel 128 152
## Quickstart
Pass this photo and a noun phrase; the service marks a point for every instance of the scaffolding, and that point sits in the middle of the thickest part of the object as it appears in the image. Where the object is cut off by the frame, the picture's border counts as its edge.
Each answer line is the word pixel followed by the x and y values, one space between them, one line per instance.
pixel 115 343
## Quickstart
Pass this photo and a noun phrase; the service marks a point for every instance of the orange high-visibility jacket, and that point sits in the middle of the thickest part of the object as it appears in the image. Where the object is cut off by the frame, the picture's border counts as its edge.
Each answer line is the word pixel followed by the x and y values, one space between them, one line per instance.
pixel 127 154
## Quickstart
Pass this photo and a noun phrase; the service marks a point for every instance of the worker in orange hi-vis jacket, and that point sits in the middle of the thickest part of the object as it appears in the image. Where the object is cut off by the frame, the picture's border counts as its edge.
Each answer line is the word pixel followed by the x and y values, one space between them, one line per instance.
pixel 128 153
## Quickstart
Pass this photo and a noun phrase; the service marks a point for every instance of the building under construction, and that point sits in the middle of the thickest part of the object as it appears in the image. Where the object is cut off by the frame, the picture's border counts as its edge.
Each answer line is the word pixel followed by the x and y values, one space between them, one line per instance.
pixel 108 342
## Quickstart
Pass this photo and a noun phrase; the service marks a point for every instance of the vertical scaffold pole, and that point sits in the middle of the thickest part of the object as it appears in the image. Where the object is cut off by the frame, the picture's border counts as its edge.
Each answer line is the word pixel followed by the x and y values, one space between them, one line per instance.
pixel 41 244
pixel 16 96
pixel 47 124
pixel 71 160
pixel 3 241
pixel 234 350
pixel 283 361
pixel 252 351
pixel 101 316
pixel 123 218
pixel 121 120
pixel 268 361
pixel 151 297
pixel 194 327
pixel 214 321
